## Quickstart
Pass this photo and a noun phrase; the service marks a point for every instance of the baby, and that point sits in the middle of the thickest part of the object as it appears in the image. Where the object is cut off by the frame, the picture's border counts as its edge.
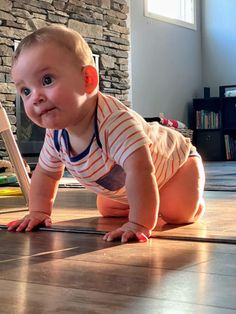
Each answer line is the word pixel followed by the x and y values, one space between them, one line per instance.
pixel 137 169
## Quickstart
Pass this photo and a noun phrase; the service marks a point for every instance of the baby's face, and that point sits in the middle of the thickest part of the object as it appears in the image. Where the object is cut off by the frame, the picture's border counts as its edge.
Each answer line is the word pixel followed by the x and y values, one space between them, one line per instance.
pixel 51 85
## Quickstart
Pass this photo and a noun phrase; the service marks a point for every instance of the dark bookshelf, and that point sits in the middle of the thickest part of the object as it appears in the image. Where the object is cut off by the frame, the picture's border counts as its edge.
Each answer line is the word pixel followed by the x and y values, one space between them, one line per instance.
pixel 215 127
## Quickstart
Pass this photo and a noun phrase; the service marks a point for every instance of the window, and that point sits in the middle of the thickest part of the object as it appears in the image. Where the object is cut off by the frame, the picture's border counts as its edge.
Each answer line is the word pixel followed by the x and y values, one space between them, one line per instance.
pixel 179 12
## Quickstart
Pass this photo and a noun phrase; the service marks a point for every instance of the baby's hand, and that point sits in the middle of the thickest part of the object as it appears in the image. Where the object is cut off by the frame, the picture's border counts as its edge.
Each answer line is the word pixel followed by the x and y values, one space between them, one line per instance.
pixel 129 231
pixel 30 221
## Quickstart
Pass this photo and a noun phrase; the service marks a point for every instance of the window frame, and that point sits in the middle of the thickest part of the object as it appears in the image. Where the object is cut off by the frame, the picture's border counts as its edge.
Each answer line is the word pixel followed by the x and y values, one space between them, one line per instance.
pixel 169 20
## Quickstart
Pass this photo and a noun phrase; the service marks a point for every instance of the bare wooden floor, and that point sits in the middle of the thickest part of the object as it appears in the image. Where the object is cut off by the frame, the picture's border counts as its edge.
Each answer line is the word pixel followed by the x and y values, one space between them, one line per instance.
pixel 75 210
pixel 69 272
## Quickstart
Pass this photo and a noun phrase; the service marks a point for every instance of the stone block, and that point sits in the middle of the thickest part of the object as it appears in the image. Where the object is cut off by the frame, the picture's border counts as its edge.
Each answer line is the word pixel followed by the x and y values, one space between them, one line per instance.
pixel 86 30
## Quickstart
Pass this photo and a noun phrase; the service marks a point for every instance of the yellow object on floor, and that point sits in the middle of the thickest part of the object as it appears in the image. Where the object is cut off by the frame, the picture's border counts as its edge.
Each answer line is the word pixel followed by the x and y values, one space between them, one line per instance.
pixel 10 192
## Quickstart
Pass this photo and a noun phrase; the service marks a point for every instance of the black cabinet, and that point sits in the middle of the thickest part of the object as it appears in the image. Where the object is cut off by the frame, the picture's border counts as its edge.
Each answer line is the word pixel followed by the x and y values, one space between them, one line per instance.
pixel 210 144
pixel 229 112
pixel 215 127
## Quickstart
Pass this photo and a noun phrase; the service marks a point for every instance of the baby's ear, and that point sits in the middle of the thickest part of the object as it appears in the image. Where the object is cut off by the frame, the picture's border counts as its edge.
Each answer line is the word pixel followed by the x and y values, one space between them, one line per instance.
pixel 90 78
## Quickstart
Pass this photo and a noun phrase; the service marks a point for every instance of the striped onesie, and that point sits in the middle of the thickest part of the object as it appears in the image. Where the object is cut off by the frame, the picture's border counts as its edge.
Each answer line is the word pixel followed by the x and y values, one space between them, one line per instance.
pixel 118 132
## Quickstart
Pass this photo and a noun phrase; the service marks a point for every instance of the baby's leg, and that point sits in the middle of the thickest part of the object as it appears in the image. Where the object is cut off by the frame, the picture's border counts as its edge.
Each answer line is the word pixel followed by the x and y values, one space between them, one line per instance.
pixel 111 208
pixel 181 198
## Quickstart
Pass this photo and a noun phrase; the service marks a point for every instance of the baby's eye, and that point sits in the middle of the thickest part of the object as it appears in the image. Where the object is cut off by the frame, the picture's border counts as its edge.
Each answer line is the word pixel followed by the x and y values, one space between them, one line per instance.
pixel 47 80
pixel 25 91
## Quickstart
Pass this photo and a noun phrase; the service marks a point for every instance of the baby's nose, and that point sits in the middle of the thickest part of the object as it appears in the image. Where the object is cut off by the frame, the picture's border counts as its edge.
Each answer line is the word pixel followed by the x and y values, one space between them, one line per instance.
pixel 38 98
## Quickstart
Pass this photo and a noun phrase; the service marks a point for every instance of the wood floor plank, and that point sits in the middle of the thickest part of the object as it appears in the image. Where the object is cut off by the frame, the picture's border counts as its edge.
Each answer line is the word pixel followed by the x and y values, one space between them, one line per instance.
pixel 34 298
pixel 158 270
pixel 220 175
pixel 64 272
pixel 75 209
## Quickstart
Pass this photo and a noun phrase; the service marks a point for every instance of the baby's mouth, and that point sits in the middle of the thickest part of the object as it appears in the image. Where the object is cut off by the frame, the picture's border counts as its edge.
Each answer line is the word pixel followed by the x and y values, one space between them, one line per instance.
pixel 46 111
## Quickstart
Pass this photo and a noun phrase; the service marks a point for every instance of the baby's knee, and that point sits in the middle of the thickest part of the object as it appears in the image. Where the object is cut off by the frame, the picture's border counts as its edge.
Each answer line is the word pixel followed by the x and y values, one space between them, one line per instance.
pixel 103 206
pixel 105 211
pixel 185 214
pixel 110 208
pixel 113 212
pixel 201 210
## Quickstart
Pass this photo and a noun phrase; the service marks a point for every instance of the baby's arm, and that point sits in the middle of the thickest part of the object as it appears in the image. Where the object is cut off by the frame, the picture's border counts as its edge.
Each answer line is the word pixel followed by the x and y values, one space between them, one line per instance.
pixel 43 190
pixel 143 197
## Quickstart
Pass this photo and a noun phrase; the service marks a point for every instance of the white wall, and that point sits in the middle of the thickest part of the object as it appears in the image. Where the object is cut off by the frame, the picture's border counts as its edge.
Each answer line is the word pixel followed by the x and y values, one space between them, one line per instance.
pixel 166 65
pixel 219 43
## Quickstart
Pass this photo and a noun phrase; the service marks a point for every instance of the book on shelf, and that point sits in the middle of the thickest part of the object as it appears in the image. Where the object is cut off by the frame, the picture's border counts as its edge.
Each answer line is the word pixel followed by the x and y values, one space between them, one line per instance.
pixel 230 147
pixel 208 119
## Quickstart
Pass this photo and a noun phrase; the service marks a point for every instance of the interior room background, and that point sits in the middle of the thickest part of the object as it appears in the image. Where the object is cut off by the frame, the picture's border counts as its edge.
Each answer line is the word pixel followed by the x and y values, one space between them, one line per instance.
pixel 159 67
pixel 172 64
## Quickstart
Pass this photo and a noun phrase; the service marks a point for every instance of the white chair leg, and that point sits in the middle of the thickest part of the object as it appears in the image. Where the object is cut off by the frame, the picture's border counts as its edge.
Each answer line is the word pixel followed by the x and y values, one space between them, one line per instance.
pixel 14 154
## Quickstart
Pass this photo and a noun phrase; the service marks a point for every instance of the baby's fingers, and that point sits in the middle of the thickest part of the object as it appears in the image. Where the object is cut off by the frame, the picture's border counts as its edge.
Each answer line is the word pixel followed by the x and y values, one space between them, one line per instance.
pixel 48 222
pixel 24 225
pixel 141 237
pixel 131 235
pixel 29 222
pixel 32 223
pixel 113 235
pixel 128 235
pixel 12 225
pixel 125 236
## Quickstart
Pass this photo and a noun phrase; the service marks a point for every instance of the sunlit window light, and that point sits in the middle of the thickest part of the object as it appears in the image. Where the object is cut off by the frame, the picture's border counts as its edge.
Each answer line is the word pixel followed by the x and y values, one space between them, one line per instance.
pixel 180 12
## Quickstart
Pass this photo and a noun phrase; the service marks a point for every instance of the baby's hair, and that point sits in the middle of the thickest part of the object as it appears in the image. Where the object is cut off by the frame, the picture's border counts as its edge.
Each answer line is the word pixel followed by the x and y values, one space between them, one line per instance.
pixel 61 35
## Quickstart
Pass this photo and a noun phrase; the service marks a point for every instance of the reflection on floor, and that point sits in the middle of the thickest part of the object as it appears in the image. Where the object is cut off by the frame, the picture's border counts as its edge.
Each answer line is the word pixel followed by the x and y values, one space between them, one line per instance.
pixel 220 176
pixel 75 211
pixel 186 269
